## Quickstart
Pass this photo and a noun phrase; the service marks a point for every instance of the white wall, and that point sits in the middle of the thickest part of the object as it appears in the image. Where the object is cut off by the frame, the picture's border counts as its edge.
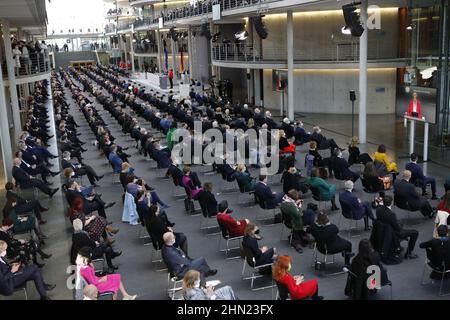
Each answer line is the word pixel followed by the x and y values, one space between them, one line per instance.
pixel 327 91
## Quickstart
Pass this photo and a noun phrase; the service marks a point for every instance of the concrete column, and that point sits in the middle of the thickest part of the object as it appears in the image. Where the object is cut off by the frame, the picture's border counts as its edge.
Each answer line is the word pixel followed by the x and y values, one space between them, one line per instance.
pixel 290 61
pixel 213 68
pixel 257 87
pixel 10 63
pixel 160 50
pixel 173 47
pixel 190 53
pixel 5 138
pixel 363 42
pixel 132 54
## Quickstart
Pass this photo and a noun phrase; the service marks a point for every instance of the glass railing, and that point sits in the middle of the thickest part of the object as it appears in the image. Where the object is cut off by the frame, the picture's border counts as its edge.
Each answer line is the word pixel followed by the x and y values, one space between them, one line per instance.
pixel 37 63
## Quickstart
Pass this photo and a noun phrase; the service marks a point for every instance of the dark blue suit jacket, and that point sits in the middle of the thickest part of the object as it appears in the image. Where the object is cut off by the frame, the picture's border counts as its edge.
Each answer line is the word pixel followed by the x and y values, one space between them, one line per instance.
pixel 263 192
pixel 6 280
pixel 417 176
pixel 116 161
pixel 352 200
pixel 176 260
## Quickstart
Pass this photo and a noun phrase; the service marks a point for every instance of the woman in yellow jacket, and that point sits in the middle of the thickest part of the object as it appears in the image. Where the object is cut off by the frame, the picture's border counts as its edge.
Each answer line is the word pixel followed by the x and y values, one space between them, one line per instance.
pixel 381 156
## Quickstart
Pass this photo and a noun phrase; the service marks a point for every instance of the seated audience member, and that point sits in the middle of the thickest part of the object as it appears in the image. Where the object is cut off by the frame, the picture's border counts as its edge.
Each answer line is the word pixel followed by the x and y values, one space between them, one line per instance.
pixel 24 206
pixel 301 136
pixel 81 239
pixel 292 207
pixel 405 192
pixel 108 283
pixel 359 209
pixel 292 178
pixel 25 181
pixel 190 184
pixel 355 156
pixel 262 255
pixel 115 160
pixel 193 291
pixel 327 234
pixel 442 218
pixel 447 184
pixel 318 160
pixel 297 286
pixel 387 216
pixel 284 144
pixel 15 275
pixel 444 204
pixel 440 251
pixel 90 292
pixel 371 181
pixel 356 287
pixel 207 198
pixel 179 263
pixel 144 201
pixel 322 142
pixel 161 155
pixel 264 193
pixel 157 226
pixel 326 191
pixel 235 228
pixel 419 179
pixel 244 178
pixel 95 226
pixel 380 156
pixel 341 168
pixel 80 169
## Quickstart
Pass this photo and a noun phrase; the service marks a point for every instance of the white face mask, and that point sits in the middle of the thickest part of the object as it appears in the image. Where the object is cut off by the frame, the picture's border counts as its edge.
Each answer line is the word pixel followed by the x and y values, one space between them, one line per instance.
pixel 80 261
pixel 3 254
pixel 197 284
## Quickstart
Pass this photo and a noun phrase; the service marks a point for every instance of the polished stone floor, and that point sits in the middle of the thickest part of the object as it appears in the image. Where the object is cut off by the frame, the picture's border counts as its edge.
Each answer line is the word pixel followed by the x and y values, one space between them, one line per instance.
pixel 141 276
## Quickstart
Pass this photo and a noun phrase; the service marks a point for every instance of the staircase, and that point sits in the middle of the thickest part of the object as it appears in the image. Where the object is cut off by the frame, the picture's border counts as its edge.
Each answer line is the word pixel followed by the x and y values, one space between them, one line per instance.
pixel 62 59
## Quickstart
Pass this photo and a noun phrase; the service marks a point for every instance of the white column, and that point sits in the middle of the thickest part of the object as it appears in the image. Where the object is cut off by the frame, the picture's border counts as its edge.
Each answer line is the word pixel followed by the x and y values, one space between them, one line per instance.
pixel 412 130
pixel 4 132
pixel 363 42
pixel 190 54
pixel 290 60
pixel 213 68
pixel 10 63
pixel 174 58
pixel 425 141
pixel 132 54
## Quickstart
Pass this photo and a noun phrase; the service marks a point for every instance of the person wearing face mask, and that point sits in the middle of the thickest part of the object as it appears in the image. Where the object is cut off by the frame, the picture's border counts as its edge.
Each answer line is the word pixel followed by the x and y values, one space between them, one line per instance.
pixel 16 275
pixel 193 291
pixel 440 250
pixel 263 191
pixel 262 255
pixel 298 288
pixel 109 283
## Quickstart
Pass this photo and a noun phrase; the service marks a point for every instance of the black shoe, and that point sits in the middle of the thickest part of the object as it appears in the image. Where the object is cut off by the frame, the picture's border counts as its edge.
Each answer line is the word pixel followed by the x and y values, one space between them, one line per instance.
pixel 47 183
pixel 96 186
pixel 116 254
pixel 100 177
pixel 55 173
pixel 113 267
pixel 171 224
pixel 49 287
pixel 424 193
pixel 39 265
pixel 109 205
pixel 53 192
pixel 335 208
pixel 46 256
pixel 434 197
pixel 211 272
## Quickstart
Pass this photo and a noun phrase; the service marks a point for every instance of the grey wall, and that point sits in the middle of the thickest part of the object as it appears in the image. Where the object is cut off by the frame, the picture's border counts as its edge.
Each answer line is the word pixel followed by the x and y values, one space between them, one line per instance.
pixel 318 35
pixel 238 78
pixel 327 91
pixel 200 59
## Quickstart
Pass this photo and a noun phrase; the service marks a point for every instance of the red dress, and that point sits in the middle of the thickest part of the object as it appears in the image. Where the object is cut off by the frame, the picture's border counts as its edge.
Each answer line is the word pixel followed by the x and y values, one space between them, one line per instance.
pixel 442 208
pixel 234 229
pixel 112 282
pixel 300 291
pixel 411 107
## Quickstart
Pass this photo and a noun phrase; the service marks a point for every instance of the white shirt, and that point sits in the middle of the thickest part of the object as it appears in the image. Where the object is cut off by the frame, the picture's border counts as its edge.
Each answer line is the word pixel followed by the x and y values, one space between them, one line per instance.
pixel 414 106
pixel 441 219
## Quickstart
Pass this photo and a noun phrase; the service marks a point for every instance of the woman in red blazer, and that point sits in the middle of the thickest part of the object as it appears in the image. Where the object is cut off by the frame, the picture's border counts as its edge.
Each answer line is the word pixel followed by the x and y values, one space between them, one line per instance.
pixel 235 228
pixel 418 106
pixel 298 288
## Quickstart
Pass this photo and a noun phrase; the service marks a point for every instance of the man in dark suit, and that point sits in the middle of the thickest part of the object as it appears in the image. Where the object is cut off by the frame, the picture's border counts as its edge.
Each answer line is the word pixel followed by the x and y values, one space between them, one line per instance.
pixel 35 169
pixel 405 193
pixel 419 179
pixel 162 156
pixel 270 122
pixel 341 168
pixel 359 209
pixel 440 248
pixel 25 181
pixel 17 275
pixel 262 191
pixel 178 263
pixel 387 216
pixel 79 169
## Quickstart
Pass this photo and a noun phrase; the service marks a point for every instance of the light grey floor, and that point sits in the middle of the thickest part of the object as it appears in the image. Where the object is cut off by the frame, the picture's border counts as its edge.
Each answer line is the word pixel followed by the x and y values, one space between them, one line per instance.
pixel 140 276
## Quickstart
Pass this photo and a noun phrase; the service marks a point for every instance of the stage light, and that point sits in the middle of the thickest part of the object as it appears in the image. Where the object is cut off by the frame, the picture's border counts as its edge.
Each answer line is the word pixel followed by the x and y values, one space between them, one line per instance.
pixel 352 19
pixel 346 30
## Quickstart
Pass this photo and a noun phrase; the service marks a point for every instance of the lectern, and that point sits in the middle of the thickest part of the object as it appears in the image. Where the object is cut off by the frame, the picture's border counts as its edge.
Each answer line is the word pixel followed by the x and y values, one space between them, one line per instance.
pixel 412 129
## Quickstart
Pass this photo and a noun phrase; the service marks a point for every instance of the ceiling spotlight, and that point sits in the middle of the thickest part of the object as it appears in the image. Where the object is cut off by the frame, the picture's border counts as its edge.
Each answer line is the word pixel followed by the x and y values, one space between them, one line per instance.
pixel 241 36
pixel 346 30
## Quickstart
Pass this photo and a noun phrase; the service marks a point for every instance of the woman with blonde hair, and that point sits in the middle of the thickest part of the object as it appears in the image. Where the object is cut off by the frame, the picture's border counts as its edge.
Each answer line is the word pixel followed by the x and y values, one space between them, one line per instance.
pixel 355 155
pixel 297 287
pixel 244 178
pixel 193 291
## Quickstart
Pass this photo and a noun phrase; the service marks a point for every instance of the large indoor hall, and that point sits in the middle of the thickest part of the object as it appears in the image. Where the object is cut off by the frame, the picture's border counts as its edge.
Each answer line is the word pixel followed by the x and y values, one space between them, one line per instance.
pixel 249 150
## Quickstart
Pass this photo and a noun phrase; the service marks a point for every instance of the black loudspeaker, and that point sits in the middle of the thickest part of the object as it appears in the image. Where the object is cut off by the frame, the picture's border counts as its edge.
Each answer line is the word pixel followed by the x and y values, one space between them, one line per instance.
pixel 260 27
pixel 352 20
pixel 205 31
pixel 173 34
pixel 249 76
pixel 352 96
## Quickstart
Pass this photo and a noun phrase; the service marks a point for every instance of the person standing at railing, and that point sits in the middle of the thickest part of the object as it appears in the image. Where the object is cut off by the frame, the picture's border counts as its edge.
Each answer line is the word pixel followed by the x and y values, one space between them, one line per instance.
pixel 25 57
pixel 16 55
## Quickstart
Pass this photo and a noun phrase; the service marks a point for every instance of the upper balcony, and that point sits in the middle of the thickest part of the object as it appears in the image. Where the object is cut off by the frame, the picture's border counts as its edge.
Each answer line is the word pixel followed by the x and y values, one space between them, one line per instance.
pixel 145 48
pixel 121 13
pixel 143 2
pixel 343 55
pixel 34 68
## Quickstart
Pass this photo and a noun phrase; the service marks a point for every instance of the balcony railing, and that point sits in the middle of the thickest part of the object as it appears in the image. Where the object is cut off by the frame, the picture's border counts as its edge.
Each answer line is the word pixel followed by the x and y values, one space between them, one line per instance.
pixel 338 52
pixel 145 48
pixel 37 63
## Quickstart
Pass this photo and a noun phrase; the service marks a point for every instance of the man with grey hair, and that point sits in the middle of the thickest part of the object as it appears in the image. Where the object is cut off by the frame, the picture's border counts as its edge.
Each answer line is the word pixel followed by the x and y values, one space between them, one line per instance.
pixel 90 292
pixel 80 169
pixel 407 198
pixel 356 209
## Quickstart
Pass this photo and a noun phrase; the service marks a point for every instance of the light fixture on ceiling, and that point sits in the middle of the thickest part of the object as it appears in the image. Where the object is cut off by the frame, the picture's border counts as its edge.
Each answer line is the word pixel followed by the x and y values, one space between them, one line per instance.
pixel 428 73
pixel 346 30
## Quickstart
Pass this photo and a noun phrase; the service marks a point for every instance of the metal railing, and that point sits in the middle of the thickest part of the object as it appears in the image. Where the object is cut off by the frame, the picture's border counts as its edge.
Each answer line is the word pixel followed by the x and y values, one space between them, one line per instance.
pixel 35 64
pixel 145 48
pixel 110 29
pixel 345 52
